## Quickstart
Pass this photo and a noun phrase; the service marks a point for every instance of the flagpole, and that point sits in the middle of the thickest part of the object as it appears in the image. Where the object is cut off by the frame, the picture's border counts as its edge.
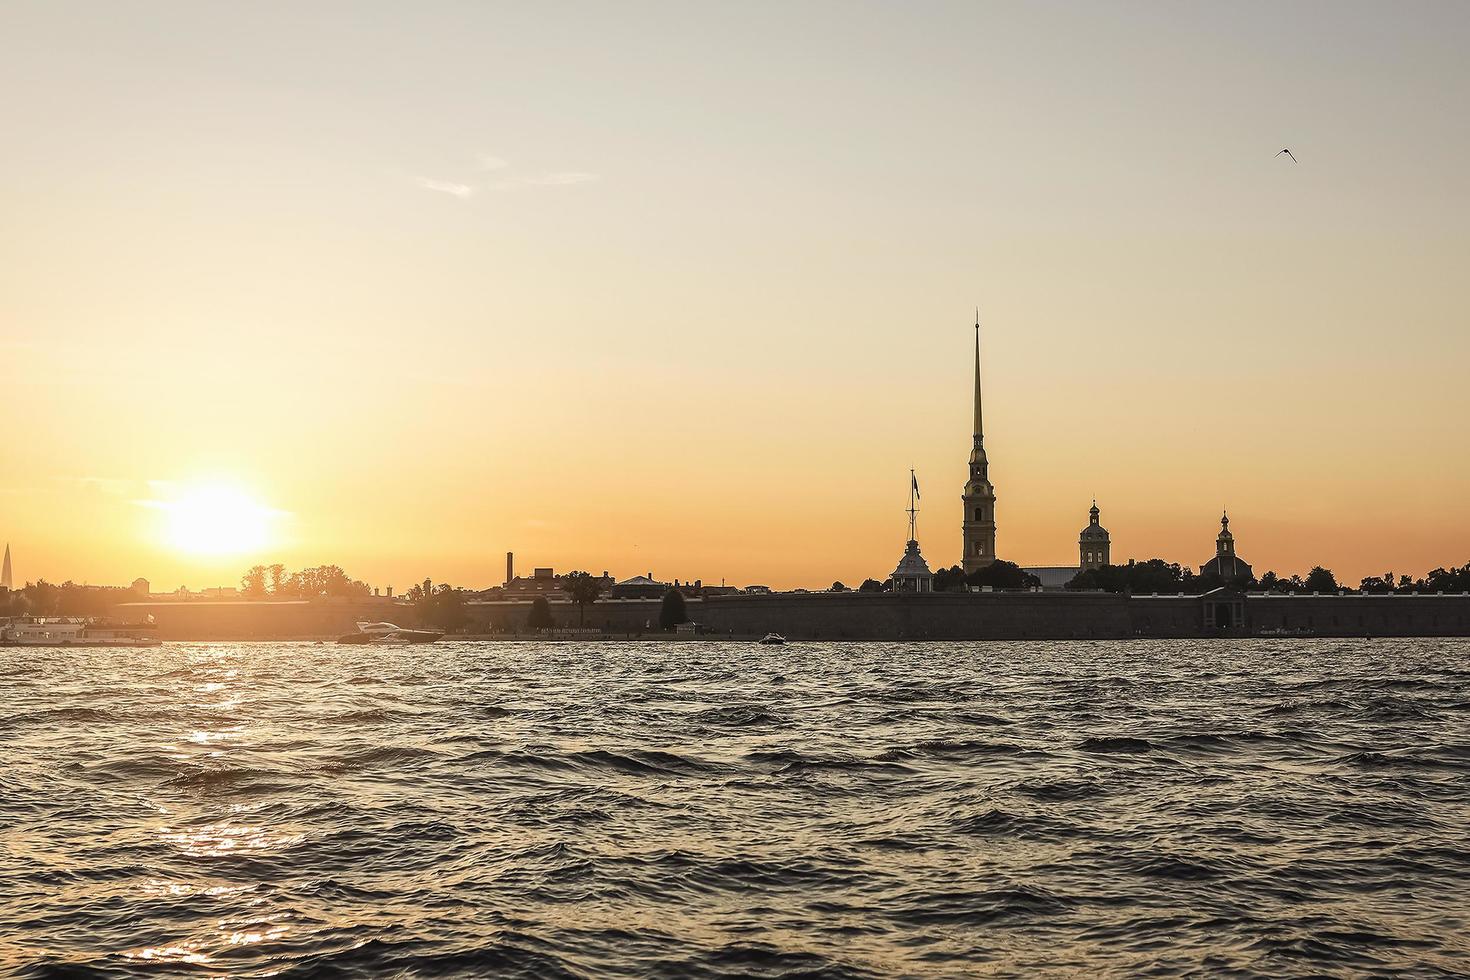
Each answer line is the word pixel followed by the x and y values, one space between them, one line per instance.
pixel 913 485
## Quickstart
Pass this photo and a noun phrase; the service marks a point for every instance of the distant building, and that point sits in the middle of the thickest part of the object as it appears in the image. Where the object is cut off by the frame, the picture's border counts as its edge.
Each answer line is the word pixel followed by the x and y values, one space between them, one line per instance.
pixel 1226 565
pixel 141 587
pixel 1094 545
pixel 5 575
pixel 912 573
pixel 978 525
pixel 639 587
pixel 544 581
pixel 1052 577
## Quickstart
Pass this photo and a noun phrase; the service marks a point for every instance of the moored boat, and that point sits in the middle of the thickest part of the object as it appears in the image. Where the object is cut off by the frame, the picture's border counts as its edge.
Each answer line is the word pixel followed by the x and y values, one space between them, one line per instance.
pixel 38 631
pixel 388 633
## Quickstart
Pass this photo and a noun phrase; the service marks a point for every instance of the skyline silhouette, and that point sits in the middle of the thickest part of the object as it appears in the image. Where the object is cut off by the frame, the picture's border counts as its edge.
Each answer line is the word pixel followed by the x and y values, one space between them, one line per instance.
pixel 598 289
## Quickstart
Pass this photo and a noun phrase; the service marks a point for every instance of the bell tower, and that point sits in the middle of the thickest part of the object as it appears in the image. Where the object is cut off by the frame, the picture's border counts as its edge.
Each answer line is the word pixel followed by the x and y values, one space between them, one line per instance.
pixel 1225 541
pixel 1096 549
pixel 978 526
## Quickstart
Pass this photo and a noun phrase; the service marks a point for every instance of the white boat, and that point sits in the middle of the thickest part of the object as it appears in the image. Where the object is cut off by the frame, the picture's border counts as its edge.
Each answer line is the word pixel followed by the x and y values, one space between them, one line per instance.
pixel 35 631
pixel 388 633
pixel 773 640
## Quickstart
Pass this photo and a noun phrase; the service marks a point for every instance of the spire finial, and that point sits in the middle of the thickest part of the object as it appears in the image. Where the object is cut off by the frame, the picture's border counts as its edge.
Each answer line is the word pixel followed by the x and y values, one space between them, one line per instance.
pixel 979 428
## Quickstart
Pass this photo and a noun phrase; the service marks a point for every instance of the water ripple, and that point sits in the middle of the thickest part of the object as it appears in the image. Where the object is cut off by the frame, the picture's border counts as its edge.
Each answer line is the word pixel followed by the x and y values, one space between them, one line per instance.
pixel 1234 808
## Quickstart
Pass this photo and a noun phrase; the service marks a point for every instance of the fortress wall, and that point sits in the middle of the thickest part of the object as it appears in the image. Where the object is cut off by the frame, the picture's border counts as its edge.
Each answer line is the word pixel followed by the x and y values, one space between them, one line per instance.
pixel 227 620
pixel 1361 615
pixel 852 615
pixel 609 615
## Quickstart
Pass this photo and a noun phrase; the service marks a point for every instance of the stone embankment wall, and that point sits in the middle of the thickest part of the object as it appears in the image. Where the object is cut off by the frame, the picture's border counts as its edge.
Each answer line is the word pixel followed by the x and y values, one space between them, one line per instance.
pixel 244 620
pixel 921 616
pixel 854 616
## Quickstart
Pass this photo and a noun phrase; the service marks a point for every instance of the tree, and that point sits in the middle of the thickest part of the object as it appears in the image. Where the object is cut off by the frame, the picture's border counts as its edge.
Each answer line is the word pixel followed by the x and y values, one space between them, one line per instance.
pixel 837 587
pixel 540 617
pixel 1377 585
pixel 1001 574
pixel 1143 577
pixel 583 589
pixel 324 581
pixel 950 579
pixel 871 585
pixel 252 583
pixel 72 599
pixel 278 578
pixel 43 598
pixel 672 612
pixel 1320 579
pixel 441 606
pixel 1448 579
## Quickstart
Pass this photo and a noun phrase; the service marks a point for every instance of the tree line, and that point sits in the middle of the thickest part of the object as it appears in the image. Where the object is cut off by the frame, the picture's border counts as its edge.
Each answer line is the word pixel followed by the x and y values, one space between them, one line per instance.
pixel 42 598
pixel 1169 578
pixel 999 574
pixel 321 582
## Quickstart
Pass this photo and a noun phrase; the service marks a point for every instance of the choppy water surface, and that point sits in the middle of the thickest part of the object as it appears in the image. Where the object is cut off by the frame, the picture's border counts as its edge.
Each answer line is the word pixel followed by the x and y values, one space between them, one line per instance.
pixel 705 809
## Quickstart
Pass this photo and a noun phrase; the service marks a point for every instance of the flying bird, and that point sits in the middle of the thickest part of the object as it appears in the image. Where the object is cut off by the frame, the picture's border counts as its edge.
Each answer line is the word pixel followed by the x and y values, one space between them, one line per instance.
pixel 1290 154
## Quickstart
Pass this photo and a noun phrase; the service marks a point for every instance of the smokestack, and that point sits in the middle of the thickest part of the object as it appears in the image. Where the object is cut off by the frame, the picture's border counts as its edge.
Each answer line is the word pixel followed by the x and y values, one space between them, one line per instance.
pixel 510 567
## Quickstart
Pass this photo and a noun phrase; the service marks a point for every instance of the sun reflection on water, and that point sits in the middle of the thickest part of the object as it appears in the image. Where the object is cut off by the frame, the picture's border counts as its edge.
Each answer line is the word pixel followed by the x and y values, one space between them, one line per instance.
pixel 183 952
pixel 154 888
pixel 226 838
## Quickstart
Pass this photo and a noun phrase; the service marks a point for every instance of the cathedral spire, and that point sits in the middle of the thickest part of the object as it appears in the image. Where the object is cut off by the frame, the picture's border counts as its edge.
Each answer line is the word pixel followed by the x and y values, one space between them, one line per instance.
pixel 979 428
pixel 978 497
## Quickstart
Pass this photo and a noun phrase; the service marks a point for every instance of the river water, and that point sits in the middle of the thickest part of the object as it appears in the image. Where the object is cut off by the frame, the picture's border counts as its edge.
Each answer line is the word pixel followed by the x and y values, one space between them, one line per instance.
pixel 1246 808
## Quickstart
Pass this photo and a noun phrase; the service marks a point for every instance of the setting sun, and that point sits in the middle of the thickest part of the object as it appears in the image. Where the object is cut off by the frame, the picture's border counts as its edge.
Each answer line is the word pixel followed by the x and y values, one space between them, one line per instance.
pixel 216 520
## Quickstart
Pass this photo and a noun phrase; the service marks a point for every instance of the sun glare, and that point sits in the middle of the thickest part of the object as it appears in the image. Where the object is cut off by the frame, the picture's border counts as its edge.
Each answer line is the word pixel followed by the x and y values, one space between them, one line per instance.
pixel 216 520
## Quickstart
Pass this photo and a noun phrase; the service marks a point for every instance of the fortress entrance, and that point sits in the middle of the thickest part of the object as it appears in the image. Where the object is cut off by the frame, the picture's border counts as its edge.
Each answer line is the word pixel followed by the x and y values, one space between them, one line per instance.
pixel 1224 611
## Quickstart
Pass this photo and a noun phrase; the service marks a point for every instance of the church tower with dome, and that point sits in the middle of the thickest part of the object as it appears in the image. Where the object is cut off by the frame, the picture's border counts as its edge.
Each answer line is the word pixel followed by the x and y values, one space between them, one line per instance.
pixel 1226 564
pixel 978 525
pixel 1095 547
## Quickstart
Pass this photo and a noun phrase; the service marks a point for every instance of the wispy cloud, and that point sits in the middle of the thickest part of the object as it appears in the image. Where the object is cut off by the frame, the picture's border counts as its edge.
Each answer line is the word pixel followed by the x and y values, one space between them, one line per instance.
pixel 505 179
pixel 445 187
pixel 563 178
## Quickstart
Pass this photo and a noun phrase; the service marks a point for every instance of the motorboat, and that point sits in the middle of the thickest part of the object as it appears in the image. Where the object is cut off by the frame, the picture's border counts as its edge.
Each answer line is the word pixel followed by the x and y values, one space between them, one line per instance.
pixel 772 640
pixel 388 633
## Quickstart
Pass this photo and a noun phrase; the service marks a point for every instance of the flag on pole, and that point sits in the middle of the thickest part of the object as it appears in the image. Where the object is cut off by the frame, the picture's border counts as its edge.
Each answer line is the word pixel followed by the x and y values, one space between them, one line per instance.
pixel 916 484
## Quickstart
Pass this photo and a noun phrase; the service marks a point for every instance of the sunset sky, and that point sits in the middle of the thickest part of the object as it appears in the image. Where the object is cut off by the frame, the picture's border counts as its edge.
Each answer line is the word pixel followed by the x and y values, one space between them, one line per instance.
pixel 687 288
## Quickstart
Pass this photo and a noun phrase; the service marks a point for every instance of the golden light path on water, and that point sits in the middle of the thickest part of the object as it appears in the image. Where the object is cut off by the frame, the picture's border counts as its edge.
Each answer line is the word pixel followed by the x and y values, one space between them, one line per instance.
pixel 718 810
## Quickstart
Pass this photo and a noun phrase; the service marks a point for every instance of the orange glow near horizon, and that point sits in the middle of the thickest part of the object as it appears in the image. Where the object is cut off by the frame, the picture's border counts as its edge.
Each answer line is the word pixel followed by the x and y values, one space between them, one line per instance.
pixel 697 311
